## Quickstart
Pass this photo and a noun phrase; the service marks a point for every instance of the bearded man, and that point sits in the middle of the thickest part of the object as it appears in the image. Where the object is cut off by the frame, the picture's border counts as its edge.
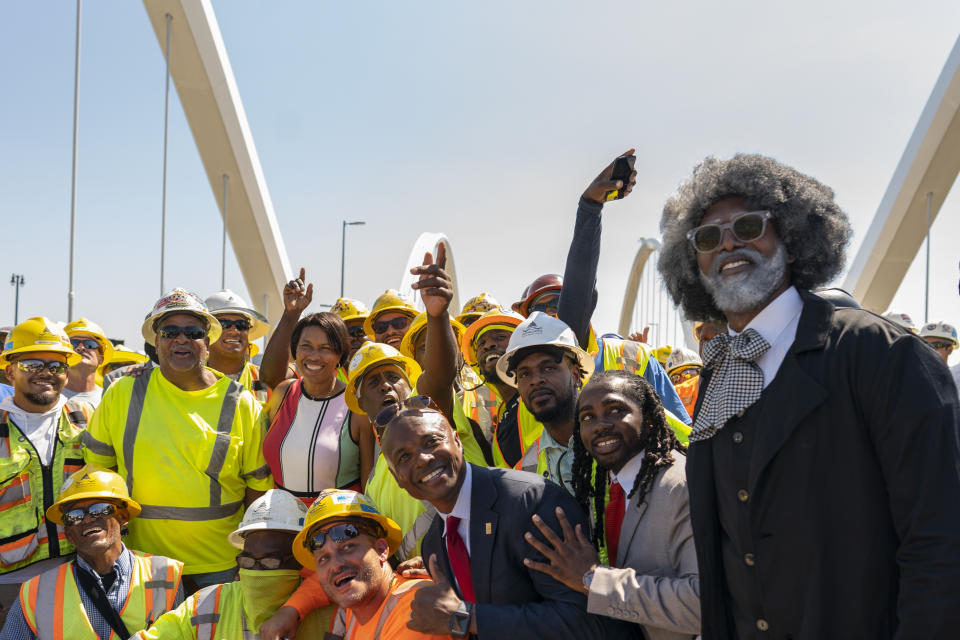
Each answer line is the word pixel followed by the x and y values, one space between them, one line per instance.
pixel 823 467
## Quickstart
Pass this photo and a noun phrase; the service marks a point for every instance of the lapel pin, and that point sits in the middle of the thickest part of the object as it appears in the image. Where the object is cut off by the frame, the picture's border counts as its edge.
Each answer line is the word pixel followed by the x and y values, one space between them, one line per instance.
pixel 489 528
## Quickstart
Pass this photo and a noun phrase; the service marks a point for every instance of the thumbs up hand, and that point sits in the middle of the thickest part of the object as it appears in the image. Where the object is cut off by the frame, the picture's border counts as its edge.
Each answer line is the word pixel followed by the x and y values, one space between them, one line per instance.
pixel 434 604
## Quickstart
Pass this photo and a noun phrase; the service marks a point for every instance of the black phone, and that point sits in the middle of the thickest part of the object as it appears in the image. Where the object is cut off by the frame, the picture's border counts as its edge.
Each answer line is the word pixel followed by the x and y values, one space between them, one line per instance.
pixel 622 169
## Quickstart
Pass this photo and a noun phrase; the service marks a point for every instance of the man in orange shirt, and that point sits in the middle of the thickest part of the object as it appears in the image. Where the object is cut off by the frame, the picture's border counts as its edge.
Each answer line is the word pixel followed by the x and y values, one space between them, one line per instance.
pixel 348 542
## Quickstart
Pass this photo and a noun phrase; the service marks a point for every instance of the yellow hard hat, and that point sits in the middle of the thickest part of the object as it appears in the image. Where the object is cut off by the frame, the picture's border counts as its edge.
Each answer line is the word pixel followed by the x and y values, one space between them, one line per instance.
pixel 662 353
pixel 122 353
pixel 38 334
pixel 339 504
pixel 419 324
pixel 477 306
pixel 350 309
pixel 81 327
pixel 92 482
pixel 370 356
pixel 180 301
pixel 507 320
pixel 389 300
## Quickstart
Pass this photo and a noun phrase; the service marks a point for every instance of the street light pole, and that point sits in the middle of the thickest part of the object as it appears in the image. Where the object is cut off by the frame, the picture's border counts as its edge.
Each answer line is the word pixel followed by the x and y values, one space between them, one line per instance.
pixel 343 248
pixel 17 281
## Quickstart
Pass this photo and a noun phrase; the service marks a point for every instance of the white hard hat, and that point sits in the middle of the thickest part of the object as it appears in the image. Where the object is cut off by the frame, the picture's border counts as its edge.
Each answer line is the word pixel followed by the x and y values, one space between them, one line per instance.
pixel 179 301
pixel 276 510
pixel 939 330
pixel 226 302
pixel 902 319
pixel 682 357
pixel 542 330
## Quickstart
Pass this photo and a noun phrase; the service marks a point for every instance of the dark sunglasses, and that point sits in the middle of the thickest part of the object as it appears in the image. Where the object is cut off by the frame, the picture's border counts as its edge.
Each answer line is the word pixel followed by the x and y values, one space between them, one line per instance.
pixel 239 325
pixel 171 331
pixel 31 365
pixel 340 533
pixel 86 343
pixel 96 511
pixel 357 331
pixel 548 307
pixel 940 345
pixel 413 403
pixel 684 374
pixel 245 561
pixel 399 323
pixel 746 227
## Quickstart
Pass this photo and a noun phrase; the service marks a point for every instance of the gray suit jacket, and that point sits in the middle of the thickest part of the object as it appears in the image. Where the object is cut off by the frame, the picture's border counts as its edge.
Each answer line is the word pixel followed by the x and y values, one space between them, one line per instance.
pixel 658 586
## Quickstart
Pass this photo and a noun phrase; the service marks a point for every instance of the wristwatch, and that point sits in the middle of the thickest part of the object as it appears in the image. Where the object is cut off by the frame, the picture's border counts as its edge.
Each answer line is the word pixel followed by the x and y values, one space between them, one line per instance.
pixel 588 579
pixel 460 620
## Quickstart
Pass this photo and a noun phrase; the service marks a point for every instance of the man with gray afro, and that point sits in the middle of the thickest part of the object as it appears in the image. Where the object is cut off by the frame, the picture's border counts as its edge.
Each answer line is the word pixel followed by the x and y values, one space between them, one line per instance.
pixel 823 470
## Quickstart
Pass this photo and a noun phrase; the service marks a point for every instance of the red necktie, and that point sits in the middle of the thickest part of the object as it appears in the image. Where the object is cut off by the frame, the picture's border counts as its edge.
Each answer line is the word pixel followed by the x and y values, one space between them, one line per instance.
pixel 459 559
pixel 612 519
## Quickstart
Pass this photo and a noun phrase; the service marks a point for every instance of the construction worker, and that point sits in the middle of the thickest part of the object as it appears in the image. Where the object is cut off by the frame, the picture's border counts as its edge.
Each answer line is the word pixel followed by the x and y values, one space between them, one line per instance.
pixel 134 365
pixel 230 355
pixel 348 543
pixel 39 448
pixel 390 318
pixel 94 348
pixel 268 574
pixel 683 367
pixel 514 428
pixel 476 307
pixel 353 313
pixel 184 425
pixel 122 356
pixel 941 336
pixel 4 332
pixel 109 590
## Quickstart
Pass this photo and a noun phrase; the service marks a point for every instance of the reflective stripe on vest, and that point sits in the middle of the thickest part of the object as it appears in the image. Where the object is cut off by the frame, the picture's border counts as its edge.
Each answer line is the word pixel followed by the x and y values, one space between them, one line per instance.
pixel 419 529
pixel 53 607
pixel 625 355
pixel 217 458
pixel 207 616
pixel 392 600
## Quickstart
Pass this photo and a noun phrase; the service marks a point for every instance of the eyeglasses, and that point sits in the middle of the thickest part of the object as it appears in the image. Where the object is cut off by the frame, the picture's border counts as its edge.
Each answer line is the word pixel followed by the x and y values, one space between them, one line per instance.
pixel 746 227
pixel 940 345
pixel 171 331
pixel 32 365
pixel 86 343
pixel 548 306
pixel 240 325
pixel 245 561
pixel 357 331
pixel 684 374
pixel 340 533
pixel 413 403
pixel 399 323
pixel 96 511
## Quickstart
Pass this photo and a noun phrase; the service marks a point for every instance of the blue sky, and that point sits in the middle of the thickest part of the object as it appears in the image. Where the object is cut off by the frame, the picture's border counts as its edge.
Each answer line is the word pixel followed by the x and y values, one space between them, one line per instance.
pixel 484 121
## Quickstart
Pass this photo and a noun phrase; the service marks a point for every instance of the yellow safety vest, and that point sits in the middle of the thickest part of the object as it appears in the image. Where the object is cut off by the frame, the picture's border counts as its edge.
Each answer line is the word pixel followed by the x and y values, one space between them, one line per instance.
pixel 250 379
pixel 480 402
pixel 529 432
pixel 53 609
pixel 28 488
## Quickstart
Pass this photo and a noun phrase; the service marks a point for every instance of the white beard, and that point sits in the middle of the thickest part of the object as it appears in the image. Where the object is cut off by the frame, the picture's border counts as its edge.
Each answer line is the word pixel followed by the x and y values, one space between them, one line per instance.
pixel 750 290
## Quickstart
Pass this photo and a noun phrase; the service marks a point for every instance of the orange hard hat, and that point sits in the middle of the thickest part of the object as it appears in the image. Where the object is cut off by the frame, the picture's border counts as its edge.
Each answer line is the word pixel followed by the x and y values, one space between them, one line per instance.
pixel 543 284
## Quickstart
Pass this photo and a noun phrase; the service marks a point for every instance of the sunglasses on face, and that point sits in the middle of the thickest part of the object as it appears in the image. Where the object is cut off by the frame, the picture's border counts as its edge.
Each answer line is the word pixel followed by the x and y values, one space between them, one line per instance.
pixel 171 331
pixel 940 345
pixel 679 376
pixel 548 307
pixel 86 343
pixel 245 561
pixel 340 533
pixel 746 227
pixel 36 366
pixel 357 331
pixel 239 325
pixel 413 403
pixel 95 511
pixel 399 323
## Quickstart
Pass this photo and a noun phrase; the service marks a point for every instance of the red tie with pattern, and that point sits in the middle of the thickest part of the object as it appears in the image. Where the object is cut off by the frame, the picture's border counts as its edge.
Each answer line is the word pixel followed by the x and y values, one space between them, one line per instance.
pixel 612 519
pixel 459 559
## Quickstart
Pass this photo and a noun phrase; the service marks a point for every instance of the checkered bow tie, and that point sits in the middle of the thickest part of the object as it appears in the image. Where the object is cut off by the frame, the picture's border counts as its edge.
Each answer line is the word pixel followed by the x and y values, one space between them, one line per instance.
pixel 735 383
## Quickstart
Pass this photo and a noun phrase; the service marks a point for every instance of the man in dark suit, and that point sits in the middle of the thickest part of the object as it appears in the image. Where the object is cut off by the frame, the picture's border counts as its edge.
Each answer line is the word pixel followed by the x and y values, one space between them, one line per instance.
pixel 475 546
pixel 823 468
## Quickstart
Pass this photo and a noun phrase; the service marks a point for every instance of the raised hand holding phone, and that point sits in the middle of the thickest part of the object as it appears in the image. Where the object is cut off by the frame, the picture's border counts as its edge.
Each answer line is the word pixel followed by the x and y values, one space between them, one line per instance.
pixel 615 181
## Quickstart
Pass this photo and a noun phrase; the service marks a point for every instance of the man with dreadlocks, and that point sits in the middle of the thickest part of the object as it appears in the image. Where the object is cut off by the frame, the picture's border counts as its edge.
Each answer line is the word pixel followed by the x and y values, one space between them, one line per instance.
pixel 651 579
pixel 824 461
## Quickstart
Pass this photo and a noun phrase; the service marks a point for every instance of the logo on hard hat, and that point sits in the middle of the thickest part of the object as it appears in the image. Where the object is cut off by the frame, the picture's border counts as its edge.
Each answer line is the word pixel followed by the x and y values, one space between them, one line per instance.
pixel 355 362
pixel 532 329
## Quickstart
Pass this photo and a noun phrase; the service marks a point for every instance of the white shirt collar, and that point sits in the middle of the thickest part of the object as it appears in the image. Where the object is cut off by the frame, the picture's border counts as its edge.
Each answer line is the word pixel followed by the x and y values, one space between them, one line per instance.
pixel 774 318
pixel 461 508
pixel 628 473
pixel 8 405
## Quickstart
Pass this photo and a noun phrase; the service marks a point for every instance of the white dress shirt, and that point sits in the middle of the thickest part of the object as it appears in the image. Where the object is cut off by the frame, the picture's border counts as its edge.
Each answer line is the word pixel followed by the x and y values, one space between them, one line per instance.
pixel 461 509
pixel 777 323
pixel 628 473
